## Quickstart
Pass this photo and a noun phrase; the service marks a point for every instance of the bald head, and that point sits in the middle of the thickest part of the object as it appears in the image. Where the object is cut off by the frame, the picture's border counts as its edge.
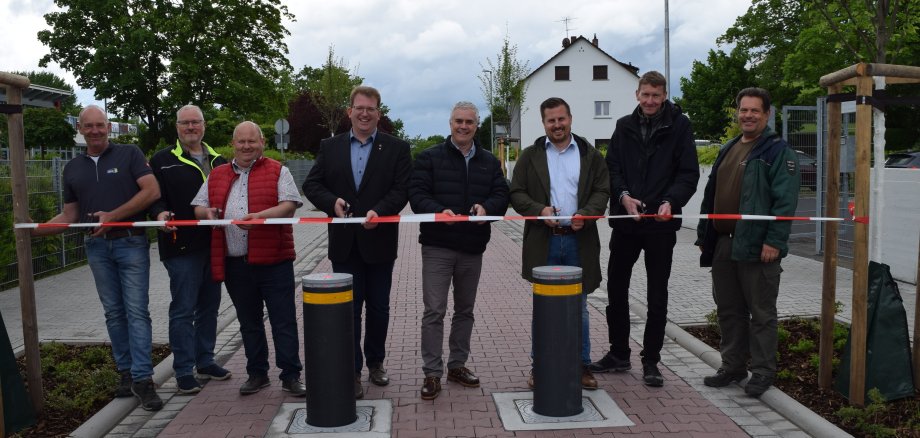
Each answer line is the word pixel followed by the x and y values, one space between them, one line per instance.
pixel 94 126
pixel 248 143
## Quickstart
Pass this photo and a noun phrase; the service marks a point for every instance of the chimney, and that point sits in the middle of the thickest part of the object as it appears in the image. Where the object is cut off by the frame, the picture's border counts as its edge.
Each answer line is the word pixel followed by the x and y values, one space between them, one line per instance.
pixel 565 42
pixel 594 40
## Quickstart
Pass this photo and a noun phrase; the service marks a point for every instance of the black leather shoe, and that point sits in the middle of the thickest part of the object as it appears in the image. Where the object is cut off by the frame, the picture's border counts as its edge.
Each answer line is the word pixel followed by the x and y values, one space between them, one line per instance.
pixel 254 384
pixel 463 376
pixel 431 388
pixel 378 376
pixel 724 378
pixel 359 390
pixel 651 376
pixel 294 386
pixel 609 363
pixel 757 385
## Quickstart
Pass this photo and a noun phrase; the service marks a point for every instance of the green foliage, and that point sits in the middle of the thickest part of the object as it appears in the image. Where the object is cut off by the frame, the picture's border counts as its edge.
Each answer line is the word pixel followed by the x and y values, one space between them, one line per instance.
pixel 149 57
pixel 706 155
pixel 419 144
pixel 712 320
pixel 48 79
pixel 126 139
pixel 785 375
pixel 803 346
pixel 862 418
pixel 91 375
pixel 47 128
pixel 703 101
pixel 330 88
pixel 732 129
pixel 782 334
pixel 502 82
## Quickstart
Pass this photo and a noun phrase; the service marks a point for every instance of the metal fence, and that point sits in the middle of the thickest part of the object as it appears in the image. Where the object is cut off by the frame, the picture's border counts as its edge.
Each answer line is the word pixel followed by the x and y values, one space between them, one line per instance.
pixel 805 129
pixel 49 254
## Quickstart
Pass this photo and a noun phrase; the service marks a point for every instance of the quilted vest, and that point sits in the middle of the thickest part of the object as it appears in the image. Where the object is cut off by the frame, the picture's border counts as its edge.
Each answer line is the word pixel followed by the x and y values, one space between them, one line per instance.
pixel 268 244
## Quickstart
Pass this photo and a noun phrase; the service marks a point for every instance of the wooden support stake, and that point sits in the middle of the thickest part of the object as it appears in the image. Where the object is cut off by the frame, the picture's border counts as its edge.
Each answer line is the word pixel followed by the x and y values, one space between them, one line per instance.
pixel 832 208
pixel 24 249
pixel 858 326
pixel 917 327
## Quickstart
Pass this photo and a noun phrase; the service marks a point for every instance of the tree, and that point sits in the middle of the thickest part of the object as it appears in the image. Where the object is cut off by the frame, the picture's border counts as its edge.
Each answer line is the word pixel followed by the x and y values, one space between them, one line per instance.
pixel 503 84
pixel 705 102
pixel 47 128
pixel 148 57
pixel 307 124
pixel 330 88
pixel 484 133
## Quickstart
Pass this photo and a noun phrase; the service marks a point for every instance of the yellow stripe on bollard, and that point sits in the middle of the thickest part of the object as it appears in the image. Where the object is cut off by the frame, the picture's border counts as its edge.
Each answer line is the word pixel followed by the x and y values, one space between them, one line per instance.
pixel 556 289
pixel 332 298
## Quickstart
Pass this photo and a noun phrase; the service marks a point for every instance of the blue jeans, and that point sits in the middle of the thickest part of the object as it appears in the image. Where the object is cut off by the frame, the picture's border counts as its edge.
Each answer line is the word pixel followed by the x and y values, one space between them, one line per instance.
pixel 192 311
pixel 249 286
pixel 371 286
pixel 121 269
pixel 563 251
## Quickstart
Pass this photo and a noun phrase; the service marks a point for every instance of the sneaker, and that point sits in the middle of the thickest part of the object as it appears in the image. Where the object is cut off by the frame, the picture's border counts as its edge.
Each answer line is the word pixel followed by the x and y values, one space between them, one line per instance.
pixel 188 384
pixel 757 385
pixel 254 384
pixel 294 386
pixel 124 384
pixel 610 363
pixel 724 378
pixel 651 376
pixel 213 371
pixel 146 392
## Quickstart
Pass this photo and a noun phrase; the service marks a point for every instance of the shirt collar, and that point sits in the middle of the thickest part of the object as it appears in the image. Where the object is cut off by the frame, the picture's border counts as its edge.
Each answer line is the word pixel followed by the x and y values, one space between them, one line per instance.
pixel 351 134
pixel 549 144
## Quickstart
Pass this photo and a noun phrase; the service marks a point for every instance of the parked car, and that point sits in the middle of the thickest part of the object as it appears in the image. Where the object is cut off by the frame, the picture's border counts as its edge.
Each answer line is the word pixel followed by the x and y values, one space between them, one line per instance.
pixel 904 160
pixel 808 169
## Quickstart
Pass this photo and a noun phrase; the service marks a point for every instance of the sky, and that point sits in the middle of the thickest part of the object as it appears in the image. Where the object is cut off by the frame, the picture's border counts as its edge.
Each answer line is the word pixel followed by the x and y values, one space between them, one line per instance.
pixel 424 56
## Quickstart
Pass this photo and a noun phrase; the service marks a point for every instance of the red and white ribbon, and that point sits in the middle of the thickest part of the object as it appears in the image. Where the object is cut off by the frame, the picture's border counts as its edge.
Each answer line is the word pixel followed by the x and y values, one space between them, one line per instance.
pixel 418 218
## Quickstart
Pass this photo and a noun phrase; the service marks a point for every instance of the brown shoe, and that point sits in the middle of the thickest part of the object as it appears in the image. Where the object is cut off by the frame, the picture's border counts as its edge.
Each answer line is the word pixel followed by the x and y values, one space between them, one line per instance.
pixel 431 388
pixel 359 390
pixel 463 376
pixel 530 380
pixel 587 379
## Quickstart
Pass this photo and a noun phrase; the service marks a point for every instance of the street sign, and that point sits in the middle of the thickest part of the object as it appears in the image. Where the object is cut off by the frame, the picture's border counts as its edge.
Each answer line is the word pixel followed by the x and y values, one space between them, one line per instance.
pixel 282 140
pixel 282 126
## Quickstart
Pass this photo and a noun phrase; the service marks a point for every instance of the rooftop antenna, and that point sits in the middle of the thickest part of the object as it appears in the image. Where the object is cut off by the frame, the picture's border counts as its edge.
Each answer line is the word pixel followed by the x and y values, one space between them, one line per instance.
pixel 567 20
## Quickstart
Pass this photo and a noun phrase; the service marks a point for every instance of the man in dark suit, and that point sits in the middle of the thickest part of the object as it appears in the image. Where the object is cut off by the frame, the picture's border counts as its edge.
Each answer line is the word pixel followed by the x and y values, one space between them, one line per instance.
pixel 363 173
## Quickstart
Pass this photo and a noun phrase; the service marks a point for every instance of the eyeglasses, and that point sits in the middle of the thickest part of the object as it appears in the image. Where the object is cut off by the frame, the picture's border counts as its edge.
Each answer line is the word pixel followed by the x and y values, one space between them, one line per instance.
pixel 365 109
pixel 190 122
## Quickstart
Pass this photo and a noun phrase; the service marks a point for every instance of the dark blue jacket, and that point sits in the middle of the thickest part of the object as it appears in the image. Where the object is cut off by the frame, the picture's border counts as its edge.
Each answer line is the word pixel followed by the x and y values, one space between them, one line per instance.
pixel 441 180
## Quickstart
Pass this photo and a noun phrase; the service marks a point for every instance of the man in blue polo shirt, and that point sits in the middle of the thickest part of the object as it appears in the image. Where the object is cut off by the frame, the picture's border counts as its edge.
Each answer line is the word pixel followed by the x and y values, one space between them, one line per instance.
pixel 112 182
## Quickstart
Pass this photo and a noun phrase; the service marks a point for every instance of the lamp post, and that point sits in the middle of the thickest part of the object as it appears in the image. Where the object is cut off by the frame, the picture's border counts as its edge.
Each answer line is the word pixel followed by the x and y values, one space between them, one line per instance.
pixel 491 113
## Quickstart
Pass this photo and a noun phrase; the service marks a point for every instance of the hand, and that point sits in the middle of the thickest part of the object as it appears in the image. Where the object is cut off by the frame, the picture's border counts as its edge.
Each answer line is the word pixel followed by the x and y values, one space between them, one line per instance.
pixel 340 207
pixel 577 224
pixel 103 217
pixel 632 206
pixel 664 212
pixel 249 216
pixel 371 214
pixel 478 210
pixel 549 211
pixel 448 212
pixel 769 254
pixel 166 216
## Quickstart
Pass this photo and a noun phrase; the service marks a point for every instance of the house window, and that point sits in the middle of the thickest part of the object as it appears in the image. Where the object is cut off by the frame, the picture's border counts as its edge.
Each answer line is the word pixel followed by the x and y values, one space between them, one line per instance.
pixel 562 72
pixel 600 72
pixel 601 108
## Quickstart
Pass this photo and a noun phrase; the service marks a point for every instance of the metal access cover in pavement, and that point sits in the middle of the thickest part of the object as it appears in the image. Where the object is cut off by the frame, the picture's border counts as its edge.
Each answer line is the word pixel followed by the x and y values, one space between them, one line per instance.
pixel 516 412
pixel 374 421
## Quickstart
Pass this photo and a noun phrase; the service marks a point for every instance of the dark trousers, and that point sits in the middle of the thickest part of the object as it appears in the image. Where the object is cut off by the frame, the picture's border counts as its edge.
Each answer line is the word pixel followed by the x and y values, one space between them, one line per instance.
pixel 624 251
pixel 371 285
pixel 249 286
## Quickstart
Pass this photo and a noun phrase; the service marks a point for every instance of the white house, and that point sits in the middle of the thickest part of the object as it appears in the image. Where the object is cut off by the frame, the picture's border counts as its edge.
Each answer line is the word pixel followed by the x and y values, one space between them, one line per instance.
pixel 598 88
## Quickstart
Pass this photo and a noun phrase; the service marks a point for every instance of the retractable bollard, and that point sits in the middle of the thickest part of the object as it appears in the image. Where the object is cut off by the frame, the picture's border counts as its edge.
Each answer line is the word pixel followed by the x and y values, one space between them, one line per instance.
pixel 328 340
pixel 557 341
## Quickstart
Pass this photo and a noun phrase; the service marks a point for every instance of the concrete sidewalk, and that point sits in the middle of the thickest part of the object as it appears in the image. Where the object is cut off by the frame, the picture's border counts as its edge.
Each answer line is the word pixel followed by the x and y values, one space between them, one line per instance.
pixel 501 342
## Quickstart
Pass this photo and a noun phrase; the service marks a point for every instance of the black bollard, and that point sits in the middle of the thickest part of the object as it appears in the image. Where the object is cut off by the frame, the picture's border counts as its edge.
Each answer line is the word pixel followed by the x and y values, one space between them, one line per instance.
pixel 557 341
pixel 328 344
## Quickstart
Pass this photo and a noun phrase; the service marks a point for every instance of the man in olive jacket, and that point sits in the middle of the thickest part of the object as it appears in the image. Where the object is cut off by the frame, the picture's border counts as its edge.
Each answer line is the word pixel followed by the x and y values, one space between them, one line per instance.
pixel 756 173
pixel 577 186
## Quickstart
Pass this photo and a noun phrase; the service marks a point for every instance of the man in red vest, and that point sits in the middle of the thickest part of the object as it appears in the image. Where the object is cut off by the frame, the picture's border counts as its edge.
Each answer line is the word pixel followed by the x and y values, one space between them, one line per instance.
pixel 256 262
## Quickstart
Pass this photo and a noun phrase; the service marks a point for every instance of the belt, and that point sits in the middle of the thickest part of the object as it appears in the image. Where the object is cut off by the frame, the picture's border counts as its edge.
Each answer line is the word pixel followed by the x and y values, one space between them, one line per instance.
pixel 562 231
pixel 118 233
